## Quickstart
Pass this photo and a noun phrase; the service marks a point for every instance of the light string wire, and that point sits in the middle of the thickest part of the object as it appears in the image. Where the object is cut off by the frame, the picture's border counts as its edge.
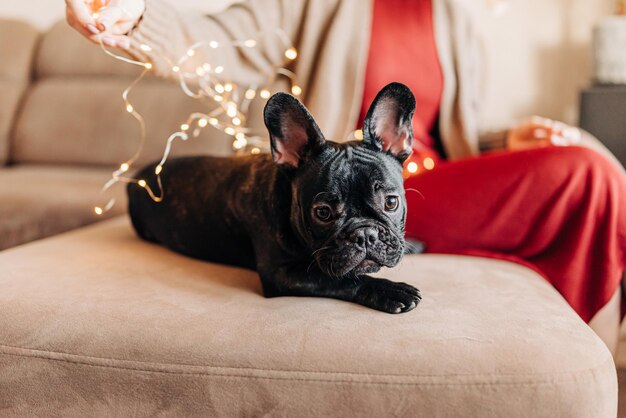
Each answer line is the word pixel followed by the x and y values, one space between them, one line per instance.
pixel 230 115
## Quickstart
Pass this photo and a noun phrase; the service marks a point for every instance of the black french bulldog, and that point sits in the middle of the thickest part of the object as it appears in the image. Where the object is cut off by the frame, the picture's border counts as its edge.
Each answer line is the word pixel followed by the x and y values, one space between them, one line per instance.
pixel 312 222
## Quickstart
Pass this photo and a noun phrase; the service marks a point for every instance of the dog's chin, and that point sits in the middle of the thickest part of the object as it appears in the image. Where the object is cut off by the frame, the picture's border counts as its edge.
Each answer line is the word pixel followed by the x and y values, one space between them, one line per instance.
pixel 356 265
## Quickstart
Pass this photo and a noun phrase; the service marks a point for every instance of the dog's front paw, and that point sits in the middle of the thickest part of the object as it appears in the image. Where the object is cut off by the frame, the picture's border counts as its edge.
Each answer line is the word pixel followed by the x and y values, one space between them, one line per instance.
pixel 388 296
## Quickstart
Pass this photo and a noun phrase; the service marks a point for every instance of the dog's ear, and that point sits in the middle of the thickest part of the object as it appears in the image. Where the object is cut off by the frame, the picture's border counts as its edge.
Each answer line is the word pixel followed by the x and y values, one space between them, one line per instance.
pixel 294 135
pixel 388 123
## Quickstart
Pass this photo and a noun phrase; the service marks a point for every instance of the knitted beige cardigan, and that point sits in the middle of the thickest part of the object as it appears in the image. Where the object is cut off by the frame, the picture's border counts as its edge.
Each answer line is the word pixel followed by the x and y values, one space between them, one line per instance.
pixel 332 39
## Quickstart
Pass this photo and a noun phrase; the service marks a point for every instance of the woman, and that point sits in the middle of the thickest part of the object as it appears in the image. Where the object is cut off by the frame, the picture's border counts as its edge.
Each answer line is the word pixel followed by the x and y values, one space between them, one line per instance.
pixel 560 211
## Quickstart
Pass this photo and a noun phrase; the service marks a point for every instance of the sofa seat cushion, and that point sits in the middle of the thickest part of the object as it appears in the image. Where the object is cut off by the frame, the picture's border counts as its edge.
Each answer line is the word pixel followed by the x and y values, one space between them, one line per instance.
pixel 39 201
pixel 97 322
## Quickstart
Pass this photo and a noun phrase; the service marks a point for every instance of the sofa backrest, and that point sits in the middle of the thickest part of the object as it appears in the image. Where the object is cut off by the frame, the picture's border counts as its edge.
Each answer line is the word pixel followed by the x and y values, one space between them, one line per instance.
pixel 74 113
pixel 17 47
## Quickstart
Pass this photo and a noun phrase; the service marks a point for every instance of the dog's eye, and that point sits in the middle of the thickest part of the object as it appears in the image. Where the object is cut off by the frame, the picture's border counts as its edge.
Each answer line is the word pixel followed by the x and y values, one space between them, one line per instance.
pixel 322 213
pixel 391 203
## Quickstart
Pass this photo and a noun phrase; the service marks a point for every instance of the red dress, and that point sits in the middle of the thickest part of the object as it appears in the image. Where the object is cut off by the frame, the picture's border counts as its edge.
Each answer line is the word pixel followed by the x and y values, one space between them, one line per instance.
pixel 560 211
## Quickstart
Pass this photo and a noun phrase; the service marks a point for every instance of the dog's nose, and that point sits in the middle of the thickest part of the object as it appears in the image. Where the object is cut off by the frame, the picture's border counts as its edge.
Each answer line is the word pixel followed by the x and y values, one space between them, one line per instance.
pixel 364 236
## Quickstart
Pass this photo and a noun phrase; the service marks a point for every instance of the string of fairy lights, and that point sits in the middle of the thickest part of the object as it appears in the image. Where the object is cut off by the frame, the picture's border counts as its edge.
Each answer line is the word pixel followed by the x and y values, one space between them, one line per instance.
pixel 231 103
pixel 231 100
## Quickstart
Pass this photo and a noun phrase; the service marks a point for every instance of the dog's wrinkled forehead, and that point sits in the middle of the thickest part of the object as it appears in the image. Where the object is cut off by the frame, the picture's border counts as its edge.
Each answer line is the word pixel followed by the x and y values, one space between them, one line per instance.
pixel 344 170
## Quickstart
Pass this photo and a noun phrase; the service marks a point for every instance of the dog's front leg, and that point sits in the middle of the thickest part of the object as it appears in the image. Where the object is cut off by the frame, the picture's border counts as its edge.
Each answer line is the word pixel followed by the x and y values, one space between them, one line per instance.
pixel 381 294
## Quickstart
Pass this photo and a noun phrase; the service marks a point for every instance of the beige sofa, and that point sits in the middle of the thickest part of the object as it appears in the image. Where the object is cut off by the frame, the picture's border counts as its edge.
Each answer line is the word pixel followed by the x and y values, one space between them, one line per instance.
pixel 96 322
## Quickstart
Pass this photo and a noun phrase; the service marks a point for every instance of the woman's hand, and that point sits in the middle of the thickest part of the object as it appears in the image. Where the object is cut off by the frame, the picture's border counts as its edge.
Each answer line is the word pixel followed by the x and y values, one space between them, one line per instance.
pixel 106 20
pixel 538 132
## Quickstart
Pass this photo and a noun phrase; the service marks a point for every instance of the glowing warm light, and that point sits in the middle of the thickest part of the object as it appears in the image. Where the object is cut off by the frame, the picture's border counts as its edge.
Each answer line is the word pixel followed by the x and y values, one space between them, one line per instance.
pixel 218 98
pixel 213 121
pixel 219 69
pixel 214 44
pixel 124 167
pixel 231 111
pixel 229 130
pixel 148 66
pixel 250 93
pixel 291 53
pixel 184 127
pixel 241 136
pixel 129 108
pixel 158 169
pixel 228 87
pixel 191 53
pixel 296 90
pixel 176 68
pixel 200 71
pixel 219 88
pixel 429 163
pixel 236 121
pixel 255 151
pixel 95 15
pixel 141 183
pixel 264 94
pixel 250 43
pixel 98 210
pixel 358 134
pixel 202 122
pixel 145 47
pixel 412 167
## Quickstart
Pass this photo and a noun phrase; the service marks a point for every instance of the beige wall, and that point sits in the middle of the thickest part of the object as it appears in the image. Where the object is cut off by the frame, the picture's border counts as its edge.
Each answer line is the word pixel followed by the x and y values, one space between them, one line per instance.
pixel 538 54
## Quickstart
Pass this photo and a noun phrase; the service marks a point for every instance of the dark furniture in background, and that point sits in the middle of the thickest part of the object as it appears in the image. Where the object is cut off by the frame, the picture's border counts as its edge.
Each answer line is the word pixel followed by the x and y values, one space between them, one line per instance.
pixel 603 114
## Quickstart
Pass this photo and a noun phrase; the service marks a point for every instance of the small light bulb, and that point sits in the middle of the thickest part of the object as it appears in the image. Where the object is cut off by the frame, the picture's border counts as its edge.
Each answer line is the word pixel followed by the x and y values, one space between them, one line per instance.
pixel 157 169
pixel 228 87
pixel 218 98
pixel 124 167
pixel 214 44
pixel 219 88
pixel 291 53
pixel 176 68
pixel 231 111
pixel 429 163
pixel 145 47
pixel 98 210
pixel 148 66
pixel 250 93
pixel 219 69
pixel 95 15
pixel 296 90
pixel 250 43
pixel 230 131
pixel 358 134
pixel 237 145
pixel 412 167
pixel 200 71
pixel 129 108
pixel 207 67
pixel 241 136
pixel 213 121
pixel 264 94
pixel 236 121
pixel 191 53
pixel 184 127
pixel 141 183
pixel 202 122
pixel 255 151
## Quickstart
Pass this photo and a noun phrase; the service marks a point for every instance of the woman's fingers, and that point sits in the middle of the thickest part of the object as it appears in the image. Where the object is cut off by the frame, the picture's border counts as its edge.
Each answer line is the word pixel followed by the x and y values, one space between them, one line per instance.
pixel 81 11
pixel 109 16
pixel 113 41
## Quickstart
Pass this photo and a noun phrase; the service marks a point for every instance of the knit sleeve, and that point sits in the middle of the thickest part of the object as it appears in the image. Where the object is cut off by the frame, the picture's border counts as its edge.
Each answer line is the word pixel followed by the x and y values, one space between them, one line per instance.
pixel 168 35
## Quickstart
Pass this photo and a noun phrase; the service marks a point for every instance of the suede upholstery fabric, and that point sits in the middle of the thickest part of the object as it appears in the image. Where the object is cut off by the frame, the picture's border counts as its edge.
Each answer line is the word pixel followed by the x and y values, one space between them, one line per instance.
pixel 17 46
pixel 37 201
pixel 97 322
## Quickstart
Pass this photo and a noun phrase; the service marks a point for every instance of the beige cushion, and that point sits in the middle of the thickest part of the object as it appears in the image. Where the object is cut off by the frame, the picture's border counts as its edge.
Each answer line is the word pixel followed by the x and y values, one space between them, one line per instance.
pixel 39 201
pixel 97 323
pixel 17 45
